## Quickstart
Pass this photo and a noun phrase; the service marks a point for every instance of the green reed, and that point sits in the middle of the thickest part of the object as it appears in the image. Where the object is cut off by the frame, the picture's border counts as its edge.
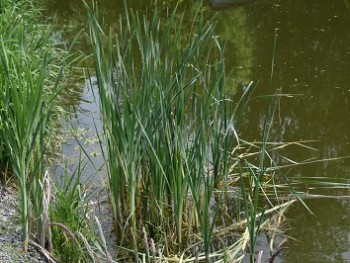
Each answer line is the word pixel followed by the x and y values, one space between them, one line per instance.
pixel 175 163
pixel 167 126
pixel 251 192
pixel 28 89
pixel 71 217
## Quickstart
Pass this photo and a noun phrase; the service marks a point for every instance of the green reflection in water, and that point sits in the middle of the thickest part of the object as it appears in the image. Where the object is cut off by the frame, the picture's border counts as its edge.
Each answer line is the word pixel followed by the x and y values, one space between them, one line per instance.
pixel 313 60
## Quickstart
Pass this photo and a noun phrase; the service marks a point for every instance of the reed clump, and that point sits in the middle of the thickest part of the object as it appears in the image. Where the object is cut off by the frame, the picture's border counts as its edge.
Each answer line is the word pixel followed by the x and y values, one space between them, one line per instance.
pixel 72 219
pixel 31 66
pixel 171 130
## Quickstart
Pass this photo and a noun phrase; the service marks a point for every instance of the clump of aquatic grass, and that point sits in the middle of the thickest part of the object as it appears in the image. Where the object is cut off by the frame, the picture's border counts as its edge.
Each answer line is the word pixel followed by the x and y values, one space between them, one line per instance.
pixel 28 91
pixel 170 131
pixel 163 163
pixel 70 214
pixel 77 234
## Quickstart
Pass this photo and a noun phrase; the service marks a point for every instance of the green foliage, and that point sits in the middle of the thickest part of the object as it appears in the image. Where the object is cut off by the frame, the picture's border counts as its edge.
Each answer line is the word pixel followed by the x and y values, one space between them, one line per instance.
pixel 169 128
pixel 28 90
pixel 70 214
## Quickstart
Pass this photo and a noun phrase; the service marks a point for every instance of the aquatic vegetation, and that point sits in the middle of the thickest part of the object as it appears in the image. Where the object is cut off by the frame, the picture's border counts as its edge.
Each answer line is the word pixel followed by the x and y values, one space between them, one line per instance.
pixel 29 85
pixel 72 218
pixel 171 131
pixel 183 184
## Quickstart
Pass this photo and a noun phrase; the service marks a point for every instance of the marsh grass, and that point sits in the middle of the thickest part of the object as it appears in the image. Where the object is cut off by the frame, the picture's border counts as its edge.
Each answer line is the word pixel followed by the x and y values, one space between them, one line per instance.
pixel 71 214
pixel 171 135
pixel 31 68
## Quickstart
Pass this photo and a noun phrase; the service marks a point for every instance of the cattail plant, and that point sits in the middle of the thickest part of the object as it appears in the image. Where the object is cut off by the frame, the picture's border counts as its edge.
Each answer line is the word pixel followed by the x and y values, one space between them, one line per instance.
pixel 28 90
pixel 167 126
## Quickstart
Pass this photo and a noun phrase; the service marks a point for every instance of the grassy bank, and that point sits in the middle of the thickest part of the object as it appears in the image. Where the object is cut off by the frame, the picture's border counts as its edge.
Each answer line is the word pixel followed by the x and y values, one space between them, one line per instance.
pixel 35 72
pixel 31 66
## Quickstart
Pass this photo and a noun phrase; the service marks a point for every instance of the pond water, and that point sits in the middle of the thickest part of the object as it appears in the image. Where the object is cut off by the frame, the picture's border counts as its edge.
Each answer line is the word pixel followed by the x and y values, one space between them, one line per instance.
pixel 312 64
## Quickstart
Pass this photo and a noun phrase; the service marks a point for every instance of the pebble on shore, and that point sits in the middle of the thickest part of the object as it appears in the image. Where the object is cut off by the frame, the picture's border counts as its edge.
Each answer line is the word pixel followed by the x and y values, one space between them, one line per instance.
pixel 11 232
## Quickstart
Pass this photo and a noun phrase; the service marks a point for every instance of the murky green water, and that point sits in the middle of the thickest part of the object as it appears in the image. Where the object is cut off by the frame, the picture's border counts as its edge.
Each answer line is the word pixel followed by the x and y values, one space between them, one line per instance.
pixel 313 63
